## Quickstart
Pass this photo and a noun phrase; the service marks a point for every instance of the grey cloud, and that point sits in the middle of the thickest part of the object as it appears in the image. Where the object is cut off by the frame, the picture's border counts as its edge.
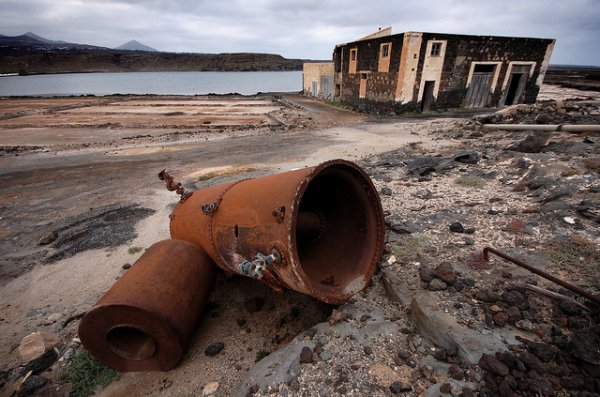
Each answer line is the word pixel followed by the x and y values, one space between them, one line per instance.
pixel 306 29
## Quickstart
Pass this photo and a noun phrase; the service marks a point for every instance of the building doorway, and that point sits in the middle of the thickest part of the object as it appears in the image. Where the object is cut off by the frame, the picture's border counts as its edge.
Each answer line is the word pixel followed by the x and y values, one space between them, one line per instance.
pixel 362 90
pixel 478 94
pixel 314 88
pixel 516 85
pixel 427 96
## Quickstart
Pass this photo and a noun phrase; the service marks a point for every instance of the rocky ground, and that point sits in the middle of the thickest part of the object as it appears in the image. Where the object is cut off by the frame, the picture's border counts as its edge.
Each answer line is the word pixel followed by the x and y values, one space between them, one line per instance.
pixel 437 319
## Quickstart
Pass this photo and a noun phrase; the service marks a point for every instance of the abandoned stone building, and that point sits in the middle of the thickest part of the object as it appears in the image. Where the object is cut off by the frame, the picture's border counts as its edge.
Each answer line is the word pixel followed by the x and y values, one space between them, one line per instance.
pixel 417 71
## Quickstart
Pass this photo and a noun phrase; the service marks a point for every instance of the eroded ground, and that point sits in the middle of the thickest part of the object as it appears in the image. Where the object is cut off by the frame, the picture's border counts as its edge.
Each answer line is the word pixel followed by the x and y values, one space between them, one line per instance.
pixel 79 173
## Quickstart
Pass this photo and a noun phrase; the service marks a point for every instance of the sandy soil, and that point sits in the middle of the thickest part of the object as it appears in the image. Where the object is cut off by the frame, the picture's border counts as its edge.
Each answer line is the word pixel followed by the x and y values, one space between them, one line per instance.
pixel 65 157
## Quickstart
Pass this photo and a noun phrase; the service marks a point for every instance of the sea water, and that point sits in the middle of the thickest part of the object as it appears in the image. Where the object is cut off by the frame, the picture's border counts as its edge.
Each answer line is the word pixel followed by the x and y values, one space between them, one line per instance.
pixel 160 83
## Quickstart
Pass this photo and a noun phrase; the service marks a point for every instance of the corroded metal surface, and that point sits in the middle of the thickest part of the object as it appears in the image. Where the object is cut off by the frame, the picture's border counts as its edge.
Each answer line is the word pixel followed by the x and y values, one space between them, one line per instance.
pixel 326 222
pixel 580 291
pixel 145 320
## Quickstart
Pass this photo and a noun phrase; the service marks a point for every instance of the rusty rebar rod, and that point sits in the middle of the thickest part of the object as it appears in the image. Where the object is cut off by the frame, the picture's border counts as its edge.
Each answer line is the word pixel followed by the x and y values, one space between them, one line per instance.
pixel 579 291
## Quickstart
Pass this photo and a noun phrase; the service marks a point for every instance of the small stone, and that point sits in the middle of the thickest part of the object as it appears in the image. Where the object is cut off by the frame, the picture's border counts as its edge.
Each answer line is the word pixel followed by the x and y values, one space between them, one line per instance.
pixel 325 355
pixel 501 318
pixel 214 349
pixel 569 219
pixel 36 344
pixel 426 273
pixel 410 362
pixel 368 350
pixel 445 388
pixel 589 139
pixel 455 372
pixel 492 364
pixel 457 227
pixel 495 309
pixel 437 285
pixel 469 240
pixel 531 361
pixel 404 354
pixel 43 362
pixel 427 371
pixel 516 298
pixel 126 266
pixel 306 355
pixel 525 325
pixel 31 384
pixel 399 387
pixel 386 191
pixel 210 388
pixel 48 238
pixel 470 230
pixel 440 355
pixel 445 272
pixel 337 316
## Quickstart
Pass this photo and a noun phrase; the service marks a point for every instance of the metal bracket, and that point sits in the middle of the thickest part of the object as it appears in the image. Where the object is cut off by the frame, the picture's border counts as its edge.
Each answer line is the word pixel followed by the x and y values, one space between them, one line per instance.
pixel 256 268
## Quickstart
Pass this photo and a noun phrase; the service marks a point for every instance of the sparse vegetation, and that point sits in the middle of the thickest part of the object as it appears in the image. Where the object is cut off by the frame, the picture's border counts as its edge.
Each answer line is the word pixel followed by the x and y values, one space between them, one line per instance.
pixel 576 250
pixel 409 248
pixel 470 181
pixel 85 373
pixel 261 354
pixel 134 250
pixel 223 174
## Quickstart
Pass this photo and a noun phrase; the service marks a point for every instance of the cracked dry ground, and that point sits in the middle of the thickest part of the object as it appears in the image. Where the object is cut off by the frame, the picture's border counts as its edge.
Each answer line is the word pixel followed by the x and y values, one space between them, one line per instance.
pixel 438 320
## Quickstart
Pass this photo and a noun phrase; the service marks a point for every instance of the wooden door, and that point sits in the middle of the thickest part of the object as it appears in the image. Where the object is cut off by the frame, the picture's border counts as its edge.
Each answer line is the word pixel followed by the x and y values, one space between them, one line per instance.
pixel 478 94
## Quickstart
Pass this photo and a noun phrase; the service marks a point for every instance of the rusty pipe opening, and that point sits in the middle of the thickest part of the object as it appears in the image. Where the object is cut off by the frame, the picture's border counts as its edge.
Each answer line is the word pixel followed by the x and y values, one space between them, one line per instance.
pixel 146 319
pixel 131 342
pixel 338 212
pixel 309 226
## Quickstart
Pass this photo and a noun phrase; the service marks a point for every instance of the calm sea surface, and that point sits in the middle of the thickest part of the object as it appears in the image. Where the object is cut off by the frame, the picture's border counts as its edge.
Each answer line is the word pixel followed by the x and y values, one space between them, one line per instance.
pixel 177 83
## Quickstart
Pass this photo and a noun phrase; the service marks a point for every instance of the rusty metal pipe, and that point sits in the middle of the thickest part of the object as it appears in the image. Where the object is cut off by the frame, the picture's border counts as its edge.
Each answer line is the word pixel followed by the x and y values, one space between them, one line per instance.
pixel 146 319
pixel 542 127
pixel 569 286
pixel 317 230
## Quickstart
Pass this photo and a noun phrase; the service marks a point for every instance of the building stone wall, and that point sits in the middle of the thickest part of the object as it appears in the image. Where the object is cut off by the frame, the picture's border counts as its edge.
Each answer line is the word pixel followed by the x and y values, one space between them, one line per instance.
pixel 412 63
pixel 314 72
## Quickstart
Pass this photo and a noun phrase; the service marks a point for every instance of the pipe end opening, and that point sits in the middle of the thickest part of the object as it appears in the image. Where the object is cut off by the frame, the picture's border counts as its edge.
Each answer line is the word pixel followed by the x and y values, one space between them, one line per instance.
pixel 131 343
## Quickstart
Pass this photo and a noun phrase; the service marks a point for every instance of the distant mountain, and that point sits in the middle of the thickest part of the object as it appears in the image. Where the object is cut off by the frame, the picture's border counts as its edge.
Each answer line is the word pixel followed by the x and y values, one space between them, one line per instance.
pixel 44 40
pixel 135 45
pixel 33 41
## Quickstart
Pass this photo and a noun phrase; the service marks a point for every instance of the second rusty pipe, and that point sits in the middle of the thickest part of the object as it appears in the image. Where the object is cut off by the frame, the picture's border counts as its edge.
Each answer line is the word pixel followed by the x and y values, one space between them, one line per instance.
pixel 569 286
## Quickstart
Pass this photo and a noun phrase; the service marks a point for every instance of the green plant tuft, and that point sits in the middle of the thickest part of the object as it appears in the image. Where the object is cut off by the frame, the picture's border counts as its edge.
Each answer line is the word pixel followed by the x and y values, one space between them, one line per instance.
pixel 85 373
pixel 409 249
pixel 134 250
pixel 261 354
pixel 470 181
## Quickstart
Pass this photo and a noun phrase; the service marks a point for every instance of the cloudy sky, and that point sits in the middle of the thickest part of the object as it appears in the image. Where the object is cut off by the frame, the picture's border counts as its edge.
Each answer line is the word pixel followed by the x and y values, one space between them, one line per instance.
pixel 301 28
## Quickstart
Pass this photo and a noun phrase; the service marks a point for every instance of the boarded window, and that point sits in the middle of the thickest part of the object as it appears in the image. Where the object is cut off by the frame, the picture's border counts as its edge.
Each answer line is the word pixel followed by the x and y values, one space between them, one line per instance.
pixel 385 50
pixel 436 49
pixel 353 54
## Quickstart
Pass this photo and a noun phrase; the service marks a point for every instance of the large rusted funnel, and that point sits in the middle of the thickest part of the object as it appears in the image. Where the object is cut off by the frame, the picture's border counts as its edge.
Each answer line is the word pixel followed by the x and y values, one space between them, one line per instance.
pixel 145 320
pixel 317 230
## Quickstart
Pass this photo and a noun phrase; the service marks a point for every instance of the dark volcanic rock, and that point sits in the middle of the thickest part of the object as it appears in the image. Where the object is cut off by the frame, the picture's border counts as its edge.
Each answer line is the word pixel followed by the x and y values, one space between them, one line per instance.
pixel 306 355
pixel 492 364
pixel 445 272
pixel 457 227
pixel 533 143
pixel 469 157
pixel 426 273
pixel 214 349
pixel 585 345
